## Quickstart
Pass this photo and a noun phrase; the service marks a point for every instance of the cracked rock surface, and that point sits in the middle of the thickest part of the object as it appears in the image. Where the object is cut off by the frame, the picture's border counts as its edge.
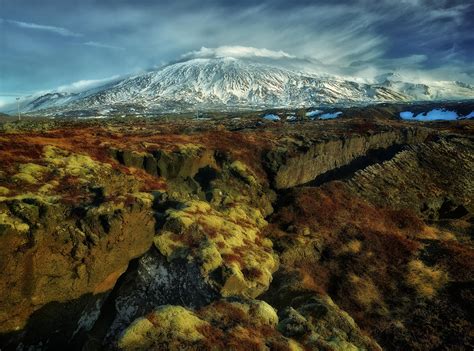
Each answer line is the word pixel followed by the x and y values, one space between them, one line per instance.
pixel 351 234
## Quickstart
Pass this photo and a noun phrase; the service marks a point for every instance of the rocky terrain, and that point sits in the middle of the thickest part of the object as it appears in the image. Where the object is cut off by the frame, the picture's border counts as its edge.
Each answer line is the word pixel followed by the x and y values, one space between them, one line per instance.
pixel 237 234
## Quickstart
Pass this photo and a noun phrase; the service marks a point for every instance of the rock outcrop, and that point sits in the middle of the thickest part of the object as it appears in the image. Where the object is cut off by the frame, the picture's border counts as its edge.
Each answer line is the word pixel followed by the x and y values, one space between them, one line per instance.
pixel 58 258
pixel 304 160
pixel 436 177
pixel 236 235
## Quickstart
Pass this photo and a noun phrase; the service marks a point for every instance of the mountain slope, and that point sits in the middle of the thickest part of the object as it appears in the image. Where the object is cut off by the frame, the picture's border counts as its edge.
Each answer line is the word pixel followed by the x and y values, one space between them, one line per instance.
pixel 229 83
pixel 442 90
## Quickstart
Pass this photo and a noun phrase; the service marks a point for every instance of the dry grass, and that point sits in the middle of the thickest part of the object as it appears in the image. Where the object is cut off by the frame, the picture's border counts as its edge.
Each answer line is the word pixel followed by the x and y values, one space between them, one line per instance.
pixel 378 264
pixel 365 292
pixel 364 250
pixel 352 247
pixel 425 280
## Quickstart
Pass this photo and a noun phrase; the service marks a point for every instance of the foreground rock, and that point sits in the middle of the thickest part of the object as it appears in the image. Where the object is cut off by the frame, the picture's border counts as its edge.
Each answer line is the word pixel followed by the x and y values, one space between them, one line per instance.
pixel 63 259
pixel 186 235
pixel 305 160
pixel 400 267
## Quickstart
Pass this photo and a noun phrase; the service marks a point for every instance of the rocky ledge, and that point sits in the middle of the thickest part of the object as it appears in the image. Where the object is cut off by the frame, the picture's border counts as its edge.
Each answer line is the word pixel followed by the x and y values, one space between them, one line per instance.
pixel 236 235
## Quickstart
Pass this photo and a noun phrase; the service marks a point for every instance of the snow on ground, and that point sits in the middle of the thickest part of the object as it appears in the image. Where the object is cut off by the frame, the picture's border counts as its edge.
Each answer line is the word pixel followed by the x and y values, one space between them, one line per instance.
pixel 291 118
pixel 271 117
pixel 471 115
pixel 330 115
pixel 406 115
pixel 313 113
pixel 433 115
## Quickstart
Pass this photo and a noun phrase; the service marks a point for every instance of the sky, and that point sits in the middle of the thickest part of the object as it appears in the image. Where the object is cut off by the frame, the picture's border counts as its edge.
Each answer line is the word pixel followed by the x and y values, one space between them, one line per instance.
pixel 72 44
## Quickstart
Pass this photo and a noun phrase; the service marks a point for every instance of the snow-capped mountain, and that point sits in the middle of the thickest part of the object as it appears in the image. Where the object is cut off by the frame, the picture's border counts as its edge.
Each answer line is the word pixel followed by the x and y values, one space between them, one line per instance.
pixel 230 83
pixel 442 90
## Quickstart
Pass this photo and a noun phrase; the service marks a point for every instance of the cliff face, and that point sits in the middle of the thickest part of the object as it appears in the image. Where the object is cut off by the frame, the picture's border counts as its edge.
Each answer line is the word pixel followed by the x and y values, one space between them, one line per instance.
pixel 435 175
pixel 390 234
pixel 66 239
pixel 280 237
pixel 300 164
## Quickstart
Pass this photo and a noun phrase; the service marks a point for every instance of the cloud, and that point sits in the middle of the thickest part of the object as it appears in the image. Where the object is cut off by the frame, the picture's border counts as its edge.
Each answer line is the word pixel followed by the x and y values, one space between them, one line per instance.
pixel 82 85
pixel 52 29
pixel 329 33
pixel 429 38
pixel 102 46
pixel 6 101
pixel 236 52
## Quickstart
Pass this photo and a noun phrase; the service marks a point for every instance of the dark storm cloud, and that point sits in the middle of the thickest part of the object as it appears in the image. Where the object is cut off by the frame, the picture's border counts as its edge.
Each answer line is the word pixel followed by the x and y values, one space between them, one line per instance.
pixel 44 44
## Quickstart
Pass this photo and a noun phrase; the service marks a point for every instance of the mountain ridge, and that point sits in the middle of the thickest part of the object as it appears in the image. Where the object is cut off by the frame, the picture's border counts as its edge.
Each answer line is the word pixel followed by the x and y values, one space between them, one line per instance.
pixel 231 83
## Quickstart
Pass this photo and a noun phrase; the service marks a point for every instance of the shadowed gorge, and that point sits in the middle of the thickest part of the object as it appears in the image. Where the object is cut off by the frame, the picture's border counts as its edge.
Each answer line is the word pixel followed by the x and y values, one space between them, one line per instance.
pixel 306 235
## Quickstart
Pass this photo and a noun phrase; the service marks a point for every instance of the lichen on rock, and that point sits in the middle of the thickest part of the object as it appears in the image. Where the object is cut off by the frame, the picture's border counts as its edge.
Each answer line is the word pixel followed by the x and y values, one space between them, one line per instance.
pixel 238 324
pixel 230 238
pixel 169 326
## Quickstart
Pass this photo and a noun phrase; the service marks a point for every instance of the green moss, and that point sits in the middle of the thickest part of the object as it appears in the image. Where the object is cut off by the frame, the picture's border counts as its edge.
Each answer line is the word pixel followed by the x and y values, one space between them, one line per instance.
pixel 138 336
pixel 168 326
pixel 25 178
pixel 259 312
pixel 210 256
pixel 178 321
pixel 48 187
pixel 4 191
pixel 168 245
pixel 30 173
pixel 235 283
pixel 342 345
pixel 244 172
pixel 145 198
pixel 77 165
pixel 294 346
pixel 14 223
pixel 231 238
pixel 182 219
pixel 31 196
pixel 32 168
pixel 189 148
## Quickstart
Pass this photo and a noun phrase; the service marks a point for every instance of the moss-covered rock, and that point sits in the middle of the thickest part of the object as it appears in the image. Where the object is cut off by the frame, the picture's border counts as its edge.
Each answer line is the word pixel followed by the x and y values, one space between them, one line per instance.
pixel 223 325
pixel 230 238
pixel 66 237
pixel 168 326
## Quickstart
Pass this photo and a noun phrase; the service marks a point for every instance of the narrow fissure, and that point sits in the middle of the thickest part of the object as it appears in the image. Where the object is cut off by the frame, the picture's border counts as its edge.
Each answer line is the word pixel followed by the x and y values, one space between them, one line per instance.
pixel 347 171
pixel 96 335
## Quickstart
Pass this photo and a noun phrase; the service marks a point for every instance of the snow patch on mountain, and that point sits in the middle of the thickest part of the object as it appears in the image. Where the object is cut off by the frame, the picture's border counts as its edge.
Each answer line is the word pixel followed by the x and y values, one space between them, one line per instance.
pixel 229 83
pixel 313 113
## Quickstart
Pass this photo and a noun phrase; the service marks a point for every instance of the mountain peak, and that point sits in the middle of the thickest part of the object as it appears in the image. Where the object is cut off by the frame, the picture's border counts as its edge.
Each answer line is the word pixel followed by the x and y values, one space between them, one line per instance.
pixel 227 83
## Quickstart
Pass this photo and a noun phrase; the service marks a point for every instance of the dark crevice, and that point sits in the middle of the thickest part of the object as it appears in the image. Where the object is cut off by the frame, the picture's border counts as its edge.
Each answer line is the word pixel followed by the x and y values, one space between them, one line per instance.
pixel 205 176
pixel 46 331
pixel 108 313
pixel 149 282
pixel 347 171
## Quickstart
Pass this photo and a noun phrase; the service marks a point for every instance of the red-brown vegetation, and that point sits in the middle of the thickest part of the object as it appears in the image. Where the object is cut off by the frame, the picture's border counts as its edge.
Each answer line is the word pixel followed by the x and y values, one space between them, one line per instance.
pixel 364 257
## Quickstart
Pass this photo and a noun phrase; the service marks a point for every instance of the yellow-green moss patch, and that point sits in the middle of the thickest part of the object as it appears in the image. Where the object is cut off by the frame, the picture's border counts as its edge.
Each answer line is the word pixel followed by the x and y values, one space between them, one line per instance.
pixel 4 191
pixel 30 173
pixel 244 172
pixel 230 237
pixel 167 244
pixel 14 223
pixel 138 336
pixel 169 326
